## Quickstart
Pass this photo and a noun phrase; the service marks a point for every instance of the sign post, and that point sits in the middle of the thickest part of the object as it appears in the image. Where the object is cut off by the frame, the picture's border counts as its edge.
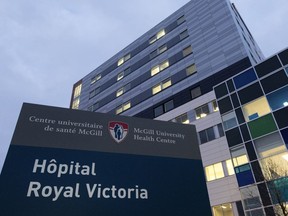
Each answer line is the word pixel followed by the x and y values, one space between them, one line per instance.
pixel 71 162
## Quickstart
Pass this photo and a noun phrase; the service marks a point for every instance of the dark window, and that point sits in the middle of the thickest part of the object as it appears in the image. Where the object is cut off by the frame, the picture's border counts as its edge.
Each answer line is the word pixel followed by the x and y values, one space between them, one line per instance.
pixel 196 92
pixel 244 175
pixel 183 34
pixel 281 117
pixel 264 194
pixel 245 132
pixel 220 130
pixel 250 93
pixel 274 81
pixel 235 100
pixel 251 151
pixel 240 208
pixel 267 66
pixel 257 171
pixel 94 92
pixel 221 90
pixel 158 111
pixel 180 20
pixel 233 137
pixel 225 105
pixel 207 135
pixel 245 78
pixel 269 211
pixel 230 86
pixel 284 134
pixel 240 116
pixel 284 57
pixel 168 106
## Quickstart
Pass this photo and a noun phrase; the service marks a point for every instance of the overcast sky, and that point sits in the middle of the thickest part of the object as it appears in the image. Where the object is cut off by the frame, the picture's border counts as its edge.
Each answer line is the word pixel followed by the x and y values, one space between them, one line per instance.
pixel 48 45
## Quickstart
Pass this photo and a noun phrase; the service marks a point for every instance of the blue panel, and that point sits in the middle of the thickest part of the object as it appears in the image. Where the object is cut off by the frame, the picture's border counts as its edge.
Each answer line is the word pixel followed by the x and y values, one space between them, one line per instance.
pixel 278 99
pixel 245 78
pixel 244 175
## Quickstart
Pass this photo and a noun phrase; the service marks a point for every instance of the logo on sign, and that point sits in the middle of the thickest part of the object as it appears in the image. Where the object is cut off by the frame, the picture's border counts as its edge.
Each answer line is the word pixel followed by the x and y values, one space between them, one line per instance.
pixel 118 130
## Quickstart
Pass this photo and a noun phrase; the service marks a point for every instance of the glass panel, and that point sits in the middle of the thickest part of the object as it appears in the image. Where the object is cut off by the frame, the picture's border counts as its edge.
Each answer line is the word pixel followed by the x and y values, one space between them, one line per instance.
pixel 278 99
pixel 239 155
pixel 275 167
pixel 119 110
pixel 120 76
pixel 191 70
pixel 180 20
pixel 203 137
pixel 158 111
pixel 219 173
pixel 77 90
pixel 187 51
pixel 250 197
pixel 155 70
pixel 210 133
pixel 202 111
pixel 162 49
pixel 160 34
pixel 210 174
pixel 183 34
pixel 166 84
pixel 269 145
pixel 120 61
pixel 245 78
pixel 164 65
pixel 75 104
pixel 196 92
pixel 156 89
pixel 119 92
pixel 183 119
pixel 126 106
pixel 215 106
pixel 256 109
pixel 229 120
pixel 229 166
pixel 262 126
pixel 223 210
pixel 168 106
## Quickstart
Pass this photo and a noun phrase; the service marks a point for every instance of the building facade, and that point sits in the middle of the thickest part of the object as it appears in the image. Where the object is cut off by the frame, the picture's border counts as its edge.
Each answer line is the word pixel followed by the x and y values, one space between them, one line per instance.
pixel 176 72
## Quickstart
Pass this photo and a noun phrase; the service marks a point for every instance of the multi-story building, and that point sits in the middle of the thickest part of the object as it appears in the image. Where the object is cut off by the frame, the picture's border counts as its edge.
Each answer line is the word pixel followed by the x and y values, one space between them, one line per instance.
pixel 169 74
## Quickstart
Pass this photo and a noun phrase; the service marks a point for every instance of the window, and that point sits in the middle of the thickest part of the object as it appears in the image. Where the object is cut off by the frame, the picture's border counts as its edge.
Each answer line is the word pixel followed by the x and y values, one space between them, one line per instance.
pixel 215 106
pixel 191 70
pixel 223 210
pixel 207 135
pixel 196 92
pixel 256 108
pixel 158 111
pixel 161 86
pixel 180 20
pixel 278 99
pixel 123 90
pixel 269 145
pixel 168 106
pixel 183 34
pixel 187 51
pixel 156 37
pixel 158 51
pixel 214 171
pixel 94 92
pixel 77 91
pixel 120 92
pixel 250 197
pixel 120 76
pixel 275 167
pixel 123 107
pixel 123 59
pixel 202 112
pixel 229 166
pixel 239 156
pixel 156 69
pixel 75 103
pixel 93 107
pixel 229 120
pixel 96 78
pixel 245 78
pixel 182 119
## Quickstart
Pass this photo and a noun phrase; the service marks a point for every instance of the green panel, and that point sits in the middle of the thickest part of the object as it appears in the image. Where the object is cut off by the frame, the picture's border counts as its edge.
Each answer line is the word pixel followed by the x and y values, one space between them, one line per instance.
pixel 261 126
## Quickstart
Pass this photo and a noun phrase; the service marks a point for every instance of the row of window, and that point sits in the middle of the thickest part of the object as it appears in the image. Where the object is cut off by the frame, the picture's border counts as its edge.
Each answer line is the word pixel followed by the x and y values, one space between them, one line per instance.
pixel 153 39
pixel 161 109
pixel 211 133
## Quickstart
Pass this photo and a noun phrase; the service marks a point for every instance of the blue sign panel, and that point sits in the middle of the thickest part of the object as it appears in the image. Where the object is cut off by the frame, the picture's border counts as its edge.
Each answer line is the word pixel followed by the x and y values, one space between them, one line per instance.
pixel 69 162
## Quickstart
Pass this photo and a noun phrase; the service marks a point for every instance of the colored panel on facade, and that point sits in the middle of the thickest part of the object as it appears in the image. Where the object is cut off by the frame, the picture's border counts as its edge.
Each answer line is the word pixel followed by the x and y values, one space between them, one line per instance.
pixel 69 162
pixel 275 81
pixel 267 66
pixel 278 99
pixel 250 93
pixel 245 78
pixel 281 117
pixel 262 126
